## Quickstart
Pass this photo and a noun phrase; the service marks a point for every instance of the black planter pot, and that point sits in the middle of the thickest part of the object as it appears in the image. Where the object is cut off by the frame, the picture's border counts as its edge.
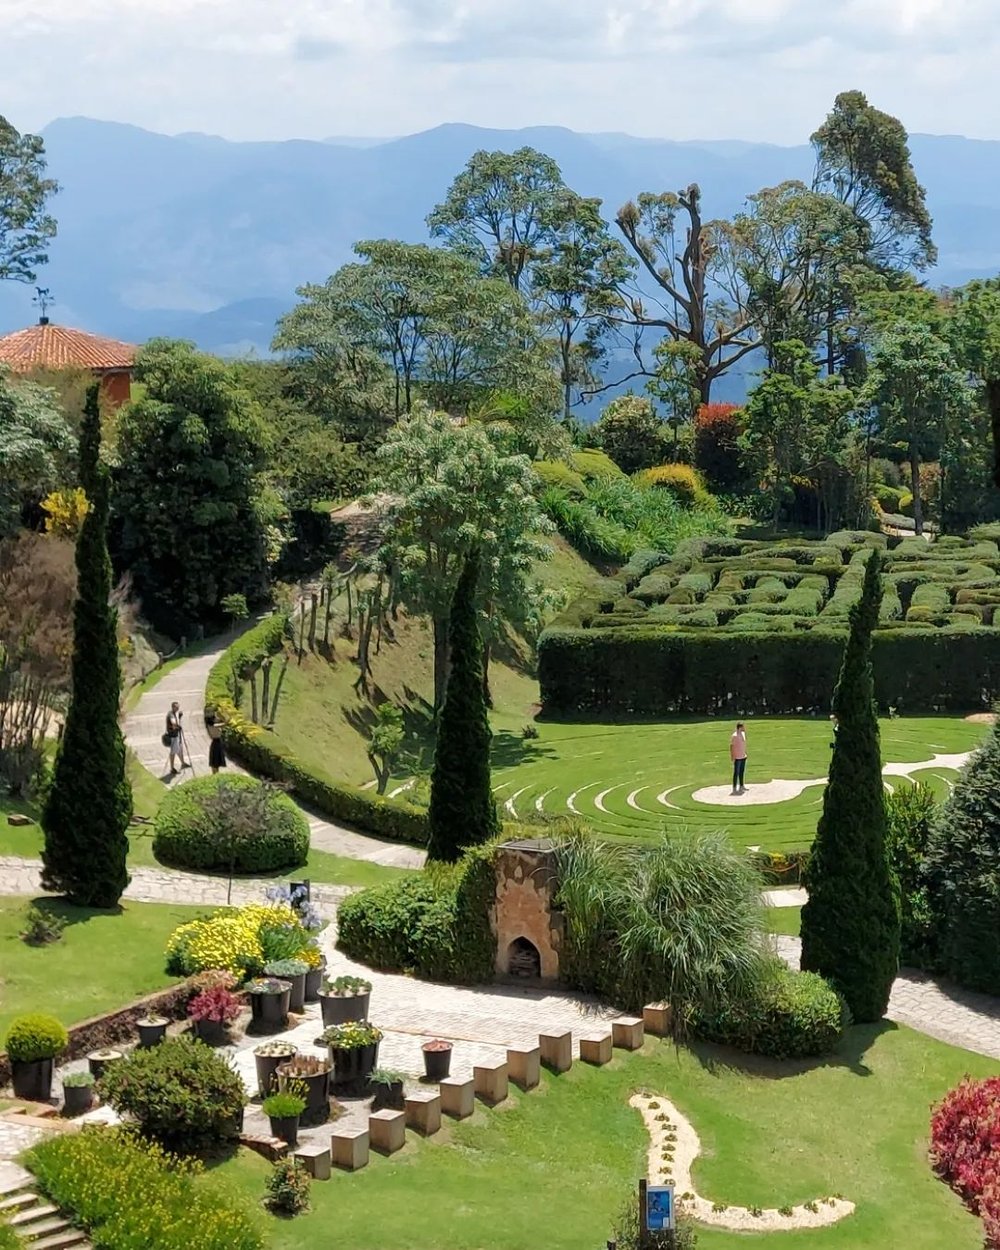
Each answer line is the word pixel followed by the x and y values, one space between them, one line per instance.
pixel 267 1069
pixel 342 1008
pixel 151 1034
pixel 354 1066
pixel 96 1064
pixel 211 1032
pixel 317 1096
pixel 297 994
pixel 388 1097
pixel 437 1064
pixel 270 1011
pixel 32 1080
pixel 77 1099
pixel 285 1127
pixel 314 983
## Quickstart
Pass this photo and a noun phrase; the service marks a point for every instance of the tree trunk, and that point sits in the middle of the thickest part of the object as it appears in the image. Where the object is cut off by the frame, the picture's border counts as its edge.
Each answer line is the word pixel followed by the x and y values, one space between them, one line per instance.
pixel 253 698
pixel 487 693
pixel 277 692
pixel 918 509
pixel 313 608
pixel 440 660
pixel 326 621
pixel 265 701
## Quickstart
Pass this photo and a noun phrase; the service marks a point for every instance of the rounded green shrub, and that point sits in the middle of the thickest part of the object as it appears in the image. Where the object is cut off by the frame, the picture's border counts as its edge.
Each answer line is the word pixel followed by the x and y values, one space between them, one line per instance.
pixel 558 473
pixel 214 822
pixel 682 481
pixel 34 1037
pixel 180 1094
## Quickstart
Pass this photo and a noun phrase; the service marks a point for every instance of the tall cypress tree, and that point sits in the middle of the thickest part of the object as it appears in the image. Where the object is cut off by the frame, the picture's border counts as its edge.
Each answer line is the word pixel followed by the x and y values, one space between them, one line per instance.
pixel 850 925
pixel 462 810
pixel 90 802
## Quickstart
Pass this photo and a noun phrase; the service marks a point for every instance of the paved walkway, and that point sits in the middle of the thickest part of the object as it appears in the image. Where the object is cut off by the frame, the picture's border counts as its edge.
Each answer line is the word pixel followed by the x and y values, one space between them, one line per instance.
pixel 185 684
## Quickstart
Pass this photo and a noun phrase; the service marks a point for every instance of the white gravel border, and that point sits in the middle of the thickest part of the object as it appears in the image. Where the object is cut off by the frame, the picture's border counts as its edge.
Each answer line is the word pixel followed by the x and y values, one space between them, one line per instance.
pixel 670 1162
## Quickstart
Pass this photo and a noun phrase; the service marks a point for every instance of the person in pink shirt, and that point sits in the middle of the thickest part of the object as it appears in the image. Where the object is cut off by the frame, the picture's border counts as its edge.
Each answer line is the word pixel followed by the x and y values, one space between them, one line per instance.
pixel 738 754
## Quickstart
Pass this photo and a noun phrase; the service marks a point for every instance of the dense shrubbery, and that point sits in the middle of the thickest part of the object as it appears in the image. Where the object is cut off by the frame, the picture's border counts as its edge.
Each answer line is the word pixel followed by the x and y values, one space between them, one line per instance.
pixel 230 822
pixel 255 747
pixel 239 940
pixel 33 1037
pixel 681 480
pixel 910 812
pixel 126 1193
pixel 717 430
pixel 789 1015
pixel 965 1149
pixel 181 1094
pixel 435 925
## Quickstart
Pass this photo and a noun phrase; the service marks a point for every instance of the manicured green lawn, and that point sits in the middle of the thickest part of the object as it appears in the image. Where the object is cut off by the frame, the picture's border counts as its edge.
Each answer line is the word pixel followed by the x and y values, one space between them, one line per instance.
pixel 554 1166
pixel 785 920
pixel 102 961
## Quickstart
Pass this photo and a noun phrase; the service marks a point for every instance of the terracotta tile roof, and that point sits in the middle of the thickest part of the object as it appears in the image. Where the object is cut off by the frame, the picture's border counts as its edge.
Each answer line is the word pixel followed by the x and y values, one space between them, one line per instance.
pixel 58 347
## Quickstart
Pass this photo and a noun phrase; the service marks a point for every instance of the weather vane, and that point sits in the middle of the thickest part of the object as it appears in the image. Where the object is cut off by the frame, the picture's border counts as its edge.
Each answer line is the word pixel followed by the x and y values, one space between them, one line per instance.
pixel 44 301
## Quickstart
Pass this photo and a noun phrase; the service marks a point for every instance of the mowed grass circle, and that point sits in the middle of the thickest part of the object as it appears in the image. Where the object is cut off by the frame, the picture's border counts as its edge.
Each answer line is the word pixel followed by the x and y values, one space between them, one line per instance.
pixel 636 780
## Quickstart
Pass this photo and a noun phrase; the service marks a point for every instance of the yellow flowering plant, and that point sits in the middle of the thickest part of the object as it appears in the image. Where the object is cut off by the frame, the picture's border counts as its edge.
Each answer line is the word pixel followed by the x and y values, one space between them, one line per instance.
pixel 238 940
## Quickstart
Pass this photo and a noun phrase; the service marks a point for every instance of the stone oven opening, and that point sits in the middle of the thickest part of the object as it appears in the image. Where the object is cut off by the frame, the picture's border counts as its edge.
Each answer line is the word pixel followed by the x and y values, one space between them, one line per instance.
pixel 523 959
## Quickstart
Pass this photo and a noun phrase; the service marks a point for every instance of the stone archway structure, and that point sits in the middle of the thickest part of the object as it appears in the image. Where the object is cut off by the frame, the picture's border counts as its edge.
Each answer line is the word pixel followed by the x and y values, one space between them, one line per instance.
pixel 527 925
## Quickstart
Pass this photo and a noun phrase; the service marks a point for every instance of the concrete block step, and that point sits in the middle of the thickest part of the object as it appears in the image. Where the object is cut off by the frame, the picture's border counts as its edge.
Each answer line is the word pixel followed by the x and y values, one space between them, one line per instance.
pixel 46 1228
pixel 71 1239
pixel 13 1203
pixel 29 1215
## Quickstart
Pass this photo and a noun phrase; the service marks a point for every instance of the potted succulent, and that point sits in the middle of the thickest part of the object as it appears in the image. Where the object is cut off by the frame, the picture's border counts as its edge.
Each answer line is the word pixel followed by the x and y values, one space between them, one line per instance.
pixel 344 999
pixel 437 1059
pixel 353 1050
pixel 313 956
pixel 269 1001
pixel 212 1011
pixel 33 1041
pixel 294 972
pixel 78 1093
pixel 99 1059
pixel 152 1030
pixel 388 1089
pixel 269 1056
pixel 313 1076
pixel 283 1110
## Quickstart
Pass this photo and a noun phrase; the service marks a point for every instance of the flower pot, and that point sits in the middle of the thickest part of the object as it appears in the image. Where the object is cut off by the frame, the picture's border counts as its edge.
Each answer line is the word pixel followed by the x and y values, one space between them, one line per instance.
pixel 98 1060
pixel 317 1095
pixel 211 1032
pixel 354 1066
pixel 297 993
pixel 437 1062
pixel 267 1068
pixel 32 1080
pixel 77 1099
pixel 340 1008
pixel 388 1097
pixel 314 982
pixel 150 1033
pixel 286 1127
pixel 270 1011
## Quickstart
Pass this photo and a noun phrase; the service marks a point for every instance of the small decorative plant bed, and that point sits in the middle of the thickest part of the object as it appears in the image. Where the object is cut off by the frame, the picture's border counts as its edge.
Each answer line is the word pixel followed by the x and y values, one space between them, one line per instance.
pixel 283 1109
pixel 388 1088
pixel 33 1042
pixel 353 1050
pixel 437 1059
pixel 345 999
pixel 313 1076
pixel 269 998
pixel 212 1013
pixel 78 1093
pixel 293 971
pixel 99 1060
pixel 152 1030
pixel 268 1057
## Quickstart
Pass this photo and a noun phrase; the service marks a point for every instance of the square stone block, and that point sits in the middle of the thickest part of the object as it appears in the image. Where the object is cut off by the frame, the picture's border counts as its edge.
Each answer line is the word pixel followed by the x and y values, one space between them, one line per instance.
pixel 388 1131
pixel 658 1019
pixel 349 1148
pixel 524 1065
pixel 491 1081
pixel 557 1050
pixel 596 1049
pixel 458 1096
pixel 423 1112
pixel 316 1160
pixel 627 1032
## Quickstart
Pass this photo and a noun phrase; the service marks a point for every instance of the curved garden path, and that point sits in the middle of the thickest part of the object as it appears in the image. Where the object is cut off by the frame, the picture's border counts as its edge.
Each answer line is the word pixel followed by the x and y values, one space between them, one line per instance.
pixel 185 684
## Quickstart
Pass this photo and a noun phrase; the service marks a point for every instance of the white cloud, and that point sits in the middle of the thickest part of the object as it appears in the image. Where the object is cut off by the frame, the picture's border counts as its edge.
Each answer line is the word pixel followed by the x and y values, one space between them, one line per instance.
pixel 685 68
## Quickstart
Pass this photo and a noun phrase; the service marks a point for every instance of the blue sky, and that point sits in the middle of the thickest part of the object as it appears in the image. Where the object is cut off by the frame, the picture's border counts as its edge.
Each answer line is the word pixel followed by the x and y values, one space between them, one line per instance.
pixel 274 69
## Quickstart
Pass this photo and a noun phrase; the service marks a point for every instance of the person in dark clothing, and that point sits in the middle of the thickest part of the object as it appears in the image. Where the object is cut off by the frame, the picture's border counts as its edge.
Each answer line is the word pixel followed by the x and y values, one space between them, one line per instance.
pixel 216 751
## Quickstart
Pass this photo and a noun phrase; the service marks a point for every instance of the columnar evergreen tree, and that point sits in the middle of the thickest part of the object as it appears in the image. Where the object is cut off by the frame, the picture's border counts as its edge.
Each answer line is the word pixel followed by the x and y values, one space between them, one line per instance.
pixel 90 803
pixel 462 810
pixel 850 925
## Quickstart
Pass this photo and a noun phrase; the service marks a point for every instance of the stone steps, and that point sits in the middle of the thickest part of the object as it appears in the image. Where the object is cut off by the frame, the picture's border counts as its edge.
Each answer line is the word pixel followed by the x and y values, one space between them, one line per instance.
pixel 36 1222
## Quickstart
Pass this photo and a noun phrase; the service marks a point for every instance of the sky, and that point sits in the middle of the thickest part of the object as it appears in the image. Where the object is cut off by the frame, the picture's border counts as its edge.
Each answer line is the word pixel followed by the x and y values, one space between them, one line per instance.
pixel 766 70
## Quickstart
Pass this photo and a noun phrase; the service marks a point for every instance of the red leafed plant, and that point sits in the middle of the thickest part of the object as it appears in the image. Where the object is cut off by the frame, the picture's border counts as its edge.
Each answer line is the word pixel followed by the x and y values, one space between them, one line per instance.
pixel 717 429
pixel 216 1004
pixel 965 1148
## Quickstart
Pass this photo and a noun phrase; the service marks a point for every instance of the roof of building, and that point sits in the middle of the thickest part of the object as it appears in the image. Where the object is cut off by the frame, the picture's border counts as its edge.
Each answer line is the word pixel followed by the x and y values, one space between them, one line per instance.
pixel 58 347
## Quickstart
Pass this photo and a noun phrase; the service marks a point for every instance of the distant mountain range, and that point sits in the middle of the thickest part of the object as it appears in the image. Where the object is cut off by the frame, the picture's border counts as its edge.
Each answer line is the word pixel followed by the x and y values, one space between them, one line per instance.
pixel 197 237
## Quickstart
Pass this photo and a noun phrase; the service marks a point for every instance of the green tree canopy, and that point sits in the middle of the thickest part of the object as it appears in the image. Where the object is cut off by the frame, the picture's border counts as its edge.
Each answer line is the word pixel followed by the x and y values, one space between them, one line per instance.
pixel 35 446
pixel 631 433
pixel 25 225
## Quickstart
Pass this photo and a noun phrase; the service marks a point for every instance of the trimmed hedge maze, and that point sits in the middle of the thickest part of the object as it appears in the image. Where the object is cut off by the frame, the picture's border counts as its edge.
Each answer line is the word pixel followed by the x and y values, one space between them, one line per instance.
pixel 740 627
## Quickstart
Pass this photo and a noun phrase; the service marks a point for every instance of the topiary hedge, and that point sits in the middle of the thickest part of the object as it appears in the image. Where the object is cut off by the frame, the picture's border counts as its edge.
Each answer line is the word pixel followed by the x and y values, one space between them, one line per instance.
pixel 256 748
pixel 230 822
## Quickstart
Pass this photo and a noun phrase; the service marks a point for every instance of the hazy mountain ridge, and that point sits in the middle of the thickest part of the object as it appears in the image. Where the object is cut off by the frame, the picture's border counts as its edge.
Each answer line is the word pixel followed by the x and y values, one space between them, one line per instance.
pixel 196 236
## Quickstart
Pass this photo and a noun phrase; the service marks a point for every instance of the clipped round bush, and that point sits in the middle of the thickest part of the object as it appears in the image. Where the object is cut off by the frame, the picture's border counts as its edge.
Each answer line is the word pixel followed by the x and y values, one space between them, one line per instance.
pixel 180 1094
pixel 682 481
pixel 34 1037
pixel 557 473
pixel 212 821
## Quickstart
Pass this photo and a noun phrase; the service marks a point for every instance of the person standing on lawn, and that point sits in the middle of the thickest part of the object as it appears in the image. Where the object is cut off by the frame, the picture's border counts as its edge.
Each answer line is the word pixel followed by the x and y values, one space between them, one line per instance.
pixel 738 755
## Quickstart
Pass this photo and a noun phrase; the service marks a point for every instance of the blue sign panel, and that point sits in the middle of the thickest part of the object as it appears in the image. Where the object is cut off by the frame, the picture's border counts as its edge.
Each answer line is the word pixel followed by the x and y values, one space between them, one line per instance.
pixel 659 1208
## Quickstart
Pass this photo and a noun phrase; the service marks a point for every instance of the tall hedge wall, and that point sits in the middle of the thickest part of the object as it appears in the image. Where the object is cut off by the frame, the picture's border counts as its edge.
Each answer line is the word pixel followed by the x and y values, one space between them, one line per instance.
pixel 655 671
